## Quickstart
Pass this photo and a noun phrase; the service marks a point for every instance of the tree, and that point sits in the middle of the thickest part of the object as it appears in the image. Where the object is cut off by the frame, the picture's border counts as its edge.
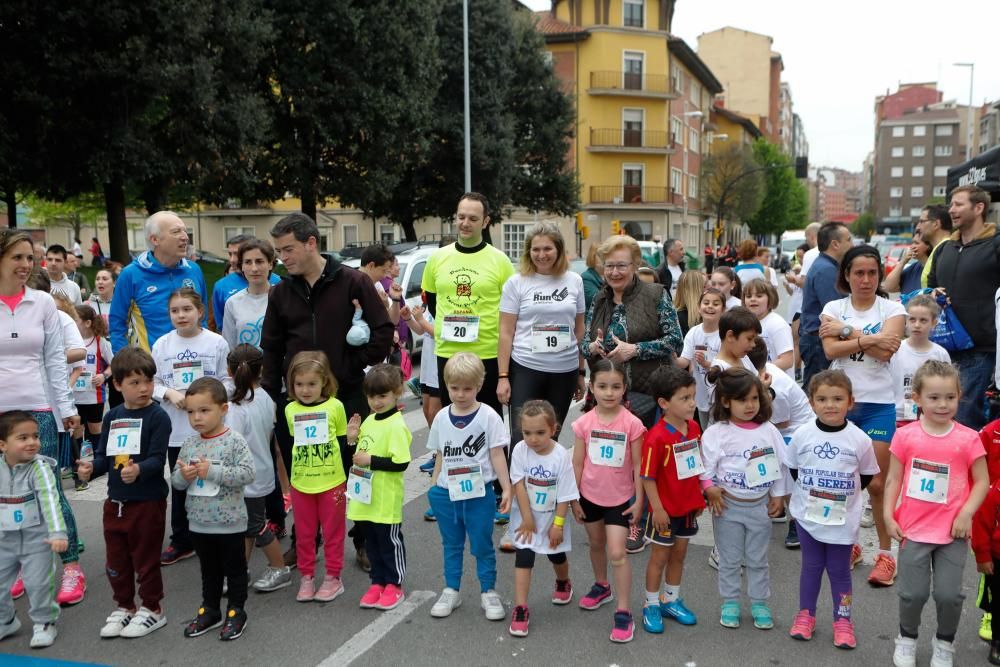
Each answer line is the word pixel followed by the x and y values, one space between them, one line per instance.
pixel 864 225
pixel 729 172
pixel 785 203
pixel 73 213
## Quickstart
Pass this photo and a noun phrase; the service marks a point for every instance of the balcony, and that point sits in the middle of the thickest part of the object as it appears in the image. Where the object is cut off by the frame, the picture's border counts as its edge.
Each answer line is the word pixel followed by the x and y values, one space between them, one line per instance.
pixel 619 140
pixel 629 194
pixel 631 84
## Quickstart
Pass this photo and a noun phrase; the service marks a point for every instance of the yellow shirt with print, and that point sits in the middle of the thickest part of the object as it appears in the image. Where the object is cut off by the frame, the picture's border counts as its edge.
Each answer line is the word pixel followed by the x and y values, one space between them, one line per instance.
pixel 318 468
pixel 467 283
pixel 387 438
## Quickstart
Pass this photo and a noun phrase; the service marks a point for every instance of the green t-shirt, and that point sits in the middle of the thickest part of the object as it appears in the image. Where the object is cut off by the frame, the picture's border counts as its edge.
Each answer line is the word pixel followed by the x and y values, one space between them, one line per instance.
pixel 386 438
pixel 316 466
pixel 926 272
pixel 468 285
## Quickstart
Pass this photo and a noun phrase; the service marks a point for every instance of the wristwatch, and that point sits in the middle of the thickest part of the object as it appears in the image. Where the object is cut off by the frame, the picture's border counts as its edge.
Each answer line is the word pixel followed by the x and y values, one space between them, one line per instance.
pixel 846 332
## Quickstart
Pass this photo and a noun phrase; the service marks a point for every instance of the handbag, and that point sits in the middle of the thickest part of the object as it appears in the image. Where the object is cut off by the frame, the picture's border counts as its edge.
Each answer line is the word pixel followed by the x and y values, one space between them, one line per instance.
pixel 948 332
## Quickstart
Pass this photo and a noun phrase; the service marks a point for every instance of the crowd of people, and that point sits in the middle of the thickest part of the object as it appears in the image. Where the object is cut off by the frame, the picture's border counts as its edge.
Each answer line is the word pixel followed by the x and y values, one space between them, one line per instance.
pixel 284 394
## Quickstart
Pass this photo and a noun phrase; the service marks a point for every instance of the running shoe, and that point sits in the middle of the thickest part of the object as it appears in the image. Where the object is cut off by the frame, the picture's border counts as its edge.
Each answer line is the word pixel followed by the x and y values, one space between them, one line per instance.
pixel 172 554
pixel 563 593
pixel 307 589
pixel 427 466
pixel 519 622
pixel 792 538
pixel 236 623
pixel 943 653
pixel 986 627
pixel 652 619
pixel 843 634
pixel 143 623
pixel 500 518
pixel 781 518
pixel 74 585
pixel 803 625
pixel 856 555
pixel 7 629
pixel 600 594
pixel 624 629
pixel 678 611
pixel 331 589
pixel 761 613
pixel 273 579
pixel 449 601
pixel 867 518
pixel 905 654
pixel 371 597
pixel 492 605
pixel 391 596
pixel 506 543
pixel 429 515
pixel 116 621
pixel 635 542
pixel 43 635
pixel 884 571
pixel 713 558
pixel 17 590
pixel 994 657
pixel 206 620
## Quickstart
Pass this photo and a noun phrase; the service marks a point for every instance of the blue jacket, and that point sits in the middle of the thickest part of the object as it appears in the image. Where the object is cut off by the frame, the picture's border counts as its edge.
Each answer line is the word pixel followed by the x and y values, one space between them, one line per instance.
pixel 225 288
pixel 139 311
pixel 820 289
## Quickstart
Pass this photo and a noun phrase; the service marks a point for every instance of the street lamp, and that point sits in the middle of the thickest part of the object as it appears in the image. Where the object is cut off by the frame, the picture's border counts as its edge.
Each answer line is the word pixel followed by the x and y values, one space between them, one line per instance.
pixel 968 142
pixel 465 95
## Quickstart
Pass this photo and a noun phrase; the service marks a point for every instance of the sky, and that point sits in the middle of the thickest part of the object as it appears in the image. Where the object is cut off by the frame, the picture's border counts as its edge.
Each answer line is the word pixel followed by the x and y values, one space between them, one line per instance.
pixel 839 55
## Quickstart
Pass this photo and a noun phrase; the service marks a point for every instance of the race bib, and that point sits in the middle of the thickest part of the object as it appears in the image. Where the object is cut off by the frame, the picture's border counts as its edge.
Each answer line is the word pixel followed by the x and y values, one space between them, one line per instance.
pixel 909 405
pixel 460 328
pixel 83 381
pixel 687 458
pixel 203 487
pixel 359 485
pixel 311 428
pixel 928 481
pixel 826 508
pixel 17 512
pixel 465 482
pixel 186 372
pixel 607 448
pixel 550 338
pixel 860 359
pixel 762 467
pixel 125 437
pixel 541 493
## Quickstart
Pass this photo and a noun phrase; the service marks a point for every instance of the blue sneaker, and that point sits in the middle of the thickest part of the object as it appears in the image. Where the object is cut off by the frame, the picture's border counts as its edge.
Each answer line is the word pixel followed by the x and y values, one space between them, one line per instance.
pixel 501 519
pixel 678 611
pixel 652 620
pixel 427 466
pixel 429 515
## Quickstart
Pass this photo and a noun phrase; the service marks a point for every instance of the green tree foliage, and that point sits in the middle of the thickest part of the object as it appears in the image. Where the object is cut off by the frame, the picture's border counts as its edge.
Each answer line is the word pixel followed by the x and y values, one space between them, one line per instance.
pixel 728 172
pixel 864 225
pixel 785 204
pixel 75 213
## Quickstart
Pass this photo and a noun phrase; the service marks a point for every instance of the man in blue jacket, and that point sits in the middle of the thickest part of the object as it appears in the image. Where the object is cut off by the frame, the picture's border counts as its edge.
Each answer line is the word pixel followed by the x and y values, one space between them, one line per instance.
pixel 139 311
pixel 833 242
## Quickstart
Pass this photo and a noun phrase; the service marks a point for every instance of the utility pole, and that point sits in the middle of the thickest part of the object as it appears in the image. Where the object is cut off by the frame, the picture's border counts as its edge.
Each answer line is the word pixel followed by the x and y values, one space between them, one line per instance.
pixel 465 93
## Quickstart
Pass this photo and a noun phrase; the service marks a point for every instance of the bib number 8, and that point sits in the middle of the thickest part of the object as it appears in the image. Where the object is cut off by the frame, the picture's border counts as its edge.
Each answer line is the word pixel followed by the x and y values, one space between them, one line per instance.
pixel 357 488
pixel 459 332
pixel 927 485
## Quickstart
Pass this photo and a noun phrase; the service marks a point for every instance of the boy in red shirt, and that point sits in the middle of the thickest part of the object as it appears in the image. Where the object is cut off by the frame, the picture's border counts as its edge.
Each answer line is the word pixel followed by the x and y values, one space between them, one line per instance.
pixel 671 464
pixel 990 436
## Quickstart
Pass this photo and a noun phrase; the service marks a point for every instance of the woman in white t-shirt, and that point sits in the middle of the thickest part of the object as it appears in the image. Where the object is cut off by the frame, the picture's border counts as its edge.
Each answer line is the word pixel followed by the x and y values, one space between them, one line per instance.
pixel 541 322
pixel 244 314
pixel 860 334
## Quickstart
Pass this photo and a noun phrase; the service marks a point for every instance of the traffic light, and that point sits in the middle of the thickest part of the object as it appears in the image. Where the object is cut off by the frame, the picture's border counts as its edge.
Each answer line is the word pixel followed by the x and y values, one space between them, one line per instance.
pixel 616 227
pixel 579 221
pixel 585 232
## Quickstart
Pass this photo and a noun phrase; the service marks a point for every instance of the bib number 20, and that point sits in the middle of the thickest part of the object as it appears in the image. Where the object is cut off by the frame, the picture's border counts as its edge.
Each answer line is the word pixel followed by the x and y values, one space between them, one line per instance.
pixel 460 332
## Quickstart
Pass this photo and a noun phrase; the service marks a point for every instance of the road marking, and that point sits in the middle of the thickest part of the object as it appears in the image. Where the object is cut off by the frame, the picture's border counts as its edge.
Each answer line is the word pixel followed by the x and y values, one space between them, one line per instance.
pixel 370 635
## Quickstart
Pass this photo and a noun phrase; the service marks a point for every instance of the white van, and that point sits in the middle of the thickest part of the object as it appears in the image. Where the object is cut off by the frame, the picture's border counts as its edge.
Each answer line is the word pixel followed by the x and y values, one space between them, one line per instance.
pixel 791 240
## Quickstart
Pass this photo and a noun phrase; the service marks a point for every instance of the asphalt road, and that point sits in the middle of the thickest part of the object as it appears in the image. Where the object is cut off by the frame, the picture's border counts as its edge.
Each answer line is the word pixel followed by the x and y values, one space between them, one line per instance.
pixel 284 632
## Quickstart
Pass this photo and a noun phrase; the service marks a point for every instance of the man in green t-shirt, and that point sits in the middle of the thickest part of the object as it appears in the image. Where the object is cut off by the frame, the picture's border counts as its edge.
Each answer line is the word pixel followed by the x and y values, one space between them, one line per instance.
pixel 463 283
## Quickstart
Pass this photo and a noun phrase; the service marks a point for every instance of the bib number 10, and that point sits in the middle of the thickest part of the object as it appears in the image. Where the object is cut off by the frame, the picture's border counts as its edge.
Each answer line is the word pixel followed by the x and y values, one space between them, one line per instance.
pixel 466 485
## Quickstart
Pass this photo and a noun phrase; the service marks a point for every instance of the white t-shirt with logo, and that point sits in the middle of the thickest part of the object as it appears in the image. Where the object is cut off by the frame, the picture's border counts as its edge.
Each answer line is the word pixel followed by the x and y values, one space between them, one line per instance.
pixel 541 303
pixel 870 377
pixel 470 445
pixel 726 449
pixel 88 394
pixel 777 335
pixel 67 288
pixel 539 472
pixel 903 365
pixel 723 365
pixel 697 337
pixel 790 403
pixel 675 277
pixel 829 465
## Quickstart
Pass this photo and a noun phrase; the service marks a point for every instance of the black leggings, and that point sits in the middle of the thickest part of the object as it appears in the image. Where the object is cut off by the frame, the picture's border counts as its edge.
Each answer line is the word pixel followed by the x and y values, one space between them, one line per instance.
pixel 527 384
pixel 223 558
pixel 525 559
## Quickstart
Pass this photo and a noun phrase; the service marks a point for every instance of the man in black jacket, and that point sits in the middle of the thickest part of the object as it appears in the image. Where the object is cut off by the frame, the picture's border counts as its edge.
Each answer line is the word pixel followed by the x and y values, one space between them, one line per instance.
pixel 967 268
pixel 311 309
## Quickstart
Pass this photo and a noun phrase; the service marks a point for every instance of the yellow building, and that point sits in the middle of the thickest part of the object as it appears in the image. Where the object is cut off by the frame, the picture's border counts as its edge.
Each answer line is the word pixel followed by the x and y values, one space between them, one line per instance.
pixel 642 101
pixel 732 128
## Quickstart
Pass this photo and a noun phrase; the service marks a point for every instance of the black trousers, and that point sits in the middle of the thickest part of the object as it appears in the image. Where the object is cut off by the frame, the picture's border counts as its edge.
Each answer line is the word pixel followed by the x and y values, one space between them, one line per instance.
pixel 386 551
pixel 180 536
pixel 487 395
pixel 527 384
pixel 223 558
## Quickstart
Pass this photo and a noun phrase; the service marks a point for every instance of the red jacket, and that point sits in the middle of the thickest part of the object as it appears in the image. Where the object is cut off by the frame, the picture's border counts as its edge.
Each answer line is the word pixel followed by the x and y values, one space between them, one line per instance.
pixel 990 435
pixel 986 527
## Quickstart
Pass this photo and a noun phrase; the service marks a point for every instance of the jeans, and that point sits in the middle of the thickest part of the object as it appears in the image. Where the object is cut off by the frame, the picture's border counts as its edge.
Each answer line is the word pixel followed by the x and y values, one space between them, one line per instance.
pixel 976 368
pixel 813 358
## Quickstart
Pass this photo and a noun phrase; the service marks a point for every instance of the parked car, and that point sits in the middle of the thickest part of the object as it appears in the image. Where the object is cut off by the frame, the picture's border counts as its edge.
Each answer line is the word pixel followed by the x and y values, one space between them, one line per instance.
pixel 893 255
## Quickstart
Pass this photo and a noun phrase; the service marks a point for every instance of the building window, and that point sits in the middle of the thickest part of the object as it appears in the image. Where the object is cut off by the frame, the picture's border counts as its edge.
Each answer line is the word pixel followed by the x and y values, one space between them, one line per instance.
pixel 917 191
pixel 632 182
pixel 919 130
pixel 633 12
pixel 897 172
pixel 695 91
pixel 676 180
pixel 676 130
pixel 917 172
pixel 693 187
pixel 940 172
pixel 915 211
pixel 350 235
pixel 513 238
pixel 676 78
pixel 899 131
pixel 943 130
pixel 918 151
pixel 230 232
pixel 895 212
pixel 387 233
pixel 632 127
pixel 897 151
pixel 633 70
pixel 640 230
pixel 693 140
pixel 939 190
pixel 943 151
pixel 896 192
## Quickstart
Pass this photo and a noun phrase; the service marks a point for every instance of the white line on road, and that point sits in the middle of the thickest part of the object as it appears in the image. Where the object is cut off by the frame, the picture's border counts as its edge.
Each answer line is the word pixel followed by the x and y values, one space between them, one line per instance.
pixel 369 635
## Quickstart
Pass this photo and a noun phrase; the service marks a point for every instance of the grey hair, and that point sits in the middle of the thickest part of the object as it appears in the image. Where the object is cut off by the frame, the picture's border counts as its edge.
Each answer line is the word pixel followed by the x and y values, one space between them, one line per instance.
pixel 152 225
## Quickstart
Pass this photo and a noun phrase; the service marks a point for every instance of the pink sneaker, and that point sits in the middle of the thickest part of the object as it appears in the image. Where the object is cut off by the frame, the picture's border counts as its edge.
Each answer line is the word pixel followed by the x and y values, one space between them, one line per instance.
pixel 884 572
pixel 803 626
pixel 330 590
pixel 17 590
pixel 563 594
pixel 519 622
pixel 371 597
pixel 624 628
pixel 306 592
pixel 74 585
pixel 843 634
pixel 856 555
pixel 391 596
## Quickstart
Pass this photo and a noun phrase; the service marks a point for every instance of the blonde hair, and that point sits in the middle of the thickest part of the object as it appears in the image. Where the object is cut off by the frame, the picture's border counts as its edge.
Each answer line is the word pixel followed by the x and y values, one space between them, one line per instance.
pixel 12 237
pixel 619 242
pixel 464 367
pixel 550 231
pixel 311 361
pixel 925 301
pixel 65 305
pixel 592 260
pixel 690 287
pixel 934 368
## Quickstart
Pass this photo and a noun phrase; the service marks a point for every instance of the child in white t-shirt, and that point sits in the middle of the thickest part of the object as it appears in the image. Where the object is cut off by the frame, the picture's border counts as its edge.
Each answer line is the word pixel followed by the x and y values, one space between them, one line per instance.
pixel 701 346
pixel 760 297
pixel 922 313
pixel 544 484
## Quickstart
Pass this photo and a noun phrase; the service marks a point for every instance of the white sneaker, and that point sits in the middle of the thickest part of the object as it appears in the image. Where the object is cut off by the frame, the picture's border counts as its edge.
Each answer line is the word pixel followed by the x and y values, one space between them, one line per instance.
pixel 905 654
pixel 493 606
pixel 44 635
pixel 449 601
pixel 7 629
pixel 144 622
pixel 867 518
pixel 115 623
pixel 713 558
pixel 944 653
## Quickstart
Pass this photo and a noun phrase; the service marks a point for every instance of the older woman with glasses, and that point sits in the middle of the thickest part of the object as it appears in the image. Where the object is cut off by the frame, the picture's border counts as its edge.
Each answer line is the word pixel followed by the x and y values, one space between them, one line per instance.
pixel 631 321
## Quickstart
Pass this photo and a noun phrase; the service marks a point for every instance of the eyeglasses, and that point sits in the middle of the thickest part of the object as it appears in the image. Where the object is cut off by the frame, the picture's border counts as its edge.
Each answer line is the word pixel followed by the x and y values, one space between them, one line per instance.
pixel 620 268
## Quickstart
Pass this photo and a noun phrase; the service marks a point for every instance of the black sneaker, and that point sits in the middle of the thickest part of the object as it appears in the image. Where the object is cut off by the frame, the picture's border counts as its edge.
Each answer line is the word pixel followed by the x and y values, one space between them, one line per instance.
pixel 635 542
pixel 206 620
pixel 792 538
pixel 236 622
pixel 172 554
